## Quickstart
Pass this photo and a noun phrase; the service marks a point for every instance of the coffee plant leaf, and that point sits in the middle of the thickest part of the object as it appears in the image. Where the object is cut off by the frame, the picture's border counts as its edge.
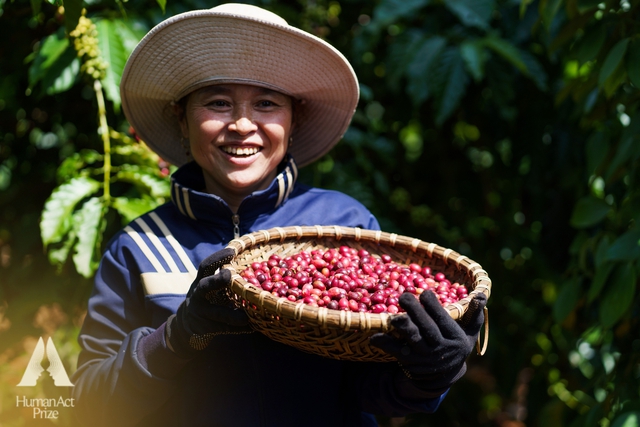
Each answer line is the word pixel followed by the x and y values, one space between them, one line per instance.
pixel 618 295
pixel 389 11
pixel 63 75
pixel 401 53
pixel 72 13
pixel 633 63
pixel 147 182
pixel 474 57
pixel 587 48
pixel 535 71
pixel 596 150
pixel 54 222
pixel 162 4
pixel 567 299
pixel 506 50
pixel 588 212
pixel 587 5
pixel 628 148
pixel 599 279
pixel 58 254
pixel 627 419
pixel 600 255
pixel 426 57
pixel 612 61
pixel 452 66
pixel 87 225
pixel 113 52
pixel 625 247
pixel 131 208
pixel 72 165
pixel 548 11
pixel 472 13
pixel 51 49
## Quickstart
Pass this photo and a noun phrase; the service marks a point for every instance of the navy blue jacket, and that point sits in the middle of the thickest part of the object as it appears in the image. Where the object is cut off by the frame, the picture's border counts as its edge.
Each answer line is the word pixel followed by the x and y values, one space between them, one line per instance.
pixel 126 375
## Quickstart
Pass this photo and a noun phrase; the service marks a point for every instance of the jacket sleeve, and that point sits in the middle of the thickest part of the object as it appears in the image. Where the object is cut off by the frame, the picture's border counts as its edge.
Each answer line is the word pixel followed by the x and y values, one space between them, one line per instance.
pixel 385 390
pixel 112 386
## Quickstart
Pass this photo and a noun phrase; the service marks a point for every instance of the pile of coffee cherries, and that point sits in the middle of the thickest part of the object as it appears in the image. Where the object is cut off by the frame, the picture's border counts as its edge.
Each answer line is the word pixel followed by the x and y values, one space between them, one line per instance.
pixel 349 279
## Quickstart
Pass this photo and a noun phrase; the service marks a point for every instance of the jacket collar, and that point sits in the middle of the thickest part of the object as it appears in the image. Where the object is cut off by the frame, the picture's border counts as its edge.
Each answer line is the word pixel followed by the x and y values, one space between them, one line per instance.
pixel 189 196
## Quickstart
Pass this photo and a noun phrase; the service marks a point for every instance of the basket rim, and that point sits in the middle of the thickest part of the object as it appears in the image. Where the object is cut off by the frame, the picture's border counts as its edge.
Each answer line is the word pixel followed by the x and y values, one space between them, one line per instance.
pixel 338 319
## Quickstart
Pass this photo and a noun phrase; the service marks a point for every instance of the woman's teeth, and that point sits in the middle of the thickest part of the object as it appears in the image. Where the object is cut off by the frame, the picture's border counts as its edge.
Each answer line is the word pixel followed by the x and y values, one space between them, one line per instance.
pixel 239 151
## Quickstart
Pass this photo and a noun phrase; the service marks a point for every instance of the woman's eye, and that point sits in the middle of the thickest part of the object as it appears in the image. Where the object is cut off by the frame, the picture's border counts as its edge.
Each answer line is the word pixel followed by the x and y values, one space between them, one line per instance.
pixel 266 103
pixel 217 103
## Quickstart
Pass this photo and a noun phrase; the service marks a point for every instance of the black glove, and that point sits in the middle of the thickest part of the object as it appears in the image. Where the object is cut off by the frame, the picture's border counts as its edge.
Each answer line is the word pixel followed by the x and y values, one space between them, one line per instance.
pixel 432 347
pixel 207 310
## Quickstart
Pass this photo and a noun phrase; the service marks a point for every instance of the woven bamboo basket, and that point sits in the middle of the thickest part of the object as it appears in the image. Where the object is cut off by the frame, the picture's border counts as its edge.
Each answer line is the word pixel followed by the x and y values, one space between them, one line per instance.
pixel 337 334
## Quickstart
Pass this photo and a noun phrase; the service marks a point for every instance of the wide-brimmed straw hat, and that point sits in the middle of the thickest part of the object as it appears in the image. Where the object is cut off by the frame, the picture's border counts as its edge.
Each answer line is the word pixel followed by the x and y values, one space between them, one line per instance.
pixel 237 43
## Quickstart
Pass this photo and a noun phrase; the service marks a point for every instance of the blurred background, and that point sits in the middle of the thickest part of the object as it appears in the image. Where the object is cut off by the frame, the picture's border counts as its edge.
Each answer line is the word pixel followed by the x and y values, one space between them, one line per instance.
pixel 507 130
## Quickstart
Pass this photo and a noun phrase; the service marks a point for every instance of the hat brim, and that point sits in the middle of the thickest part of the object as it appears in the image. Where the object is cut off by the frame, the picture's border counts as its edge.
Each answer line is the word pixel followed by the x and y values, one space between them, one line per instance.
pixel 207 47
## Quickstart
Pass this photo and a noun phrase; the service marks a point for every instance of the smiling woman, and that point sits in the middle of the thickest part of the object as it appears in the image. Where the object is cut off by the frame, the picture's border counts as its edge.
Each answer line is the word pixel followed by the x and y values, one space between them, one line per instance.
pixel 238 99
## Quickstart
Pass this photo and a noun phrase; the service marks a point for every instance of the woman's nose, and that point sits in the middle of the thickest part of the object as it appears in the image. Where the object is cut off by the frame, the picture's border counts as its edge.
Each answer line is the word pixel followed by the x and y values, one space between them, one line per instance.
pixel 242 122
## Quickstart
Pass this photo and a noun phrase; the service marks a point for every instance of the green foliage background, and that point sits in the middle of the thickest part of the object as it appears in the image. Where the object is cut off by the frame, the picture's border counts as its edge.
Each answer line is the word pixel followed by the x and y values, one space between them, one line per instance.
pixel 507 130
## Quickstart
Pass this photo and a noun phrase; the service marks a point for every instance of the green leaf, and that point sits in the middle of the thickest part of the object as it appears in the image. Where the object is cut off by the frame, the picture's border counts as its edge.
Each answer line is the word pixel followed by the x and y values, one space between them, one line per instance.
pixel 612 61
pixel 473 13
pixel 586 5
pixel 505 49
pixel 625 247
pixel 600 256
pixel 148 182
pixel 56 215
pixel 601 276
pixel 618 295
pixel 51 49
pixel 589 211
pixel 633 63
pixel 627 419
pixel 596 150
pixel 587 48
pixel 389 11
pixel 456 79
pixel 534 70
pixel 36 7
pixel 474 57
pixel 614 81
pixel 112 49
pixel 421 66
pixel 401 53
pixel 61 81
pixel 72 13
pixel 162 4
pixel 627 148
pixel 87 225
pixel 72 165
pixel 567 299
pixel 131 209
pixel 58 255
pixel 549 10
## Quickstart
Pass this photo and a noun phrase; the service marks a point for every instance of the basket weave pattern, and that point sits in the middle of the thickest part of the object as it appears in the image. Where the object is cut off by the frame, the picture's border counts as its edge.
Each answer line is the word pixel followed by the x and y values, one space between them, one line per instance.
pixel 337 334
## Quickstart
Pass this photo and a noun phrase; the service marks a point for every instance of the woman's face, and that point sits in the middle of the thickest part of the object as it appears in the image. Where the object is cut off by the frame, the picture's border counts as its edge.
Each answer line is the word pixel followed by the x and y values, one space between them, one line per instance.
pixel 238 134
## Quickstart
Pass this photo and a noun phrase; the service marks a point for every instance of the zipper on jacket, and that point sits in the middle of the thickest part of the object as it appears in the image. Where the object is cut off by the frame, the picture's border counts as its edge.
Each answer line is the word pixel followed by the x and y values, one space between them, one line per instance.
pixel 236 225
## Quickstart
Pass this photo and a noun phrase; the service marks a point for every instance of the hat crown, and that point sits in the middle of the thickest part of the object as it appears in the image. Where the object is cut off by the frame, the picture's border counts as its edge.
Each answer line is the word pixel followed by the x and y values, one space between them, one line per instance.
pixel 248 11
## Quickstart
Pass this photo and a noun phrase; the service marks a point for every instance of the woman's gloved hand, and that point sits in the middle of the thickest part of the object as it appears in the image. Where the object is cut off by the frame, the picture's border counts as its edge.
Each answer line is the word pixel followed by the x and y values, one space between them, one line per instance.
pixel 207 310
pixel 432 347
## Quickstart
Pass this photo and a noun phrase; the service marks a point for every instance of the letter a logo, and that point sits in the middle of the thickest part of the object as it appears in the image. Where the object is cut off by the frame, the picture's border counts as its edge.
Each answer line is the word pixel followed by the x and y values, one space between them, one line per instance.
pixel 55 369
